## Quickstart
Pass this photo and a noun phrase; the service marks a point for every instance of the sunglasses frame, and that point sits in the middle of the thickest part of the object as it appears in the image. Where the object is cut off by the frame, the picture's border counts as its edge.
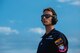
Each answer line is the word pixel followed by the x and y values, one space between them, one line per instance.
pixel 46 16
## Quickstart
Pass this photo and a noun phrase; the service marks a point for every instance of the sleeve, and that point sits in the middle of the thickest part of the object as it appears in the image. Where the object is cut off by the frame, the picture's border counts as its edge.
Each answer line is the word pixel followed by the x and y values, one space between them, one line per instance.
pixel 61 43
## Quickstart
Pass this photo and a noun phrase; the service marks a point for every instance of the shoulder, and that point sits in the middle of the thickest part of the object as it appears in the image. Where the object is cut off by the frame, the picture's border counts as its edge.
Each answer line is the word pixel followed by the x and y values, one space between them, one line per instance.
pixel 60 41
pixel 59 35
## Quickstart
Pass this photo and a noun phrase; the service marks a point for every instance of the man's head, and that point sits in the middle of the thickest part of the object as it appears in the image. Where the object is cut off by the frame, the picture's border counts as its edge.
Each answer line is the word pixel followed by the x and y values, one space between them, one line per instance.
pixel 49 17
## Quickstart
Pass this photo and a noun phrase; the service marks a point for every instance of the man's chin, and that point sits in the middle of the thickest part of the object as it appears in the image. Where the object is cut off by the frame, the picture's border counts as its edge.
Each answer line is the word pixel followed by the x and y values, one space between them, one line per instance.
pixel 46 24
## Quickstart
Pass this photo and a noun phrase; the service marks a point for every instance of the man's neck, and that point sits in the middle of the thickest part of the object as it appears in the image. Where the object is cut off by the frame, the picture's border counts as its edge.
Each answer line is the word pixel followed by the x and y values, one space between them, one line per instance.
pixel 49 28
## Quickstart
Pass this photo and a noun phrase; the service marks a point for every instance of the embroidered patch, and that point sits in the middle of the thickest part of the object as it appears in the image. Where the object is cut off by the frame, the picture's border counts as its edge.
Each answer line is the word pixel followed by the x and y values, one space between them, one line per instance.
pixel 58 41
pixel 62 48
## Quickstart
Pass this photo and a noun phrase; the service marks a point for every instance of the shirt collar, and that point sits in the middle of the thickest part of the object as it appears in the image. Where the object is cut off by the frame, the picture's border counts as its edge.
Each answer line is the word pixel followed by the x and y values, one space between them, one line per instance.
pixel 44 36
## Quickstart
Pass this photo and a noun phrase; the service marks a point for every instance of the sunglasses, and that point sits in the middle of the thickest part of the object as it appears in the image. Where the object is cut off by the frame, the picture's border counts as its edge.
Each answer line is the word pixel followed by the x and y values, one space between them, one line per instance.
pixel 46 16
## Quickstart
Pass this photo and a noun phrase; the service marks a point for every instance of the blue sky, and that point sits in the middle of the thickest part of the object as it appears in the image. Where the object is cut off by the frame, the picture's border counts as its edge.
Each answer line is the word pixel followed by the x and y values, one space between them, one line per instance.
pixel 21 28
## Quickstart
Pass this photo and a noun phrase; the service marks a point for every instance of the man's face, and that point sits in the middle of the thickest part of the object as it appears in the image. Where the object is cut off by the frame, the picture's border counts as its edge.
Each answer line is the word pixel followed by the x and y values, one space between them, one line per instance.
pixel 47 18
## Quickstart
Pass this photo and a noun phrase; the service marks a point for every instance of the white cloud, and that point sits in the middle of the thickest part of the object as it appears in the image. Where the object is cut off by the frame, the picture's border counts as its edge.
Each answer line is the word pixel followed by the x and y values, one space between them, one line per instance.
pixel 74 41
pixel 76 3
pixel 74 44
pixel 20 51
pixel 8 30
pixel 74 50
pixel 72 2
pixel 63 1
pixel 37 30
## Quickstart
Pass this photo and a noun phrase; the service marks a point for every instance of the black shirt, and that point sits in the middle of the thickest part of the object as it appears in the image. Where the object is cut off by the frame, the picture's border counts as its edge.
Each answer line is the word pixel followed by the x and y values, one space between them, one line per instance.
pixel 53 42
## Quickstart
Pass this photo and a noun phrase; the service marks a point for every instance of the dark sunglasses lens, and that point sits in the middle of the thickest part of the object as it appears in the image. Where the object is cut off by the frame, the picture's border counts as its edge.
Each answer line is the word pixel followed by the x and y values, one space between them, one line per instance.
pixel 46 16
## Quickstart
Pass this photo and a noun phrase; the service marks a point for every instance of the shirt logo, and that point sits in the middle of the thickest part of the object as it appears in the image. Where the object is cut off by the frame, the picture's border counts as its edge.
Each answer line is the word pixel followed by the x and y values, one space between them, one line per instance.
pixel 50 37
pixel 58 41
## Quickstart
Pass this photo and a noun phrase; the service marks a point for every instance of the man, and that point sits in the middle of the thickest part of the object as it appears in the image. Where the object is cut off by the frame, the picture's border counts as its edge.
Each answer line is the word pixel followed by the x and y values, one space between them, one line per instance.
pixel 53 41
